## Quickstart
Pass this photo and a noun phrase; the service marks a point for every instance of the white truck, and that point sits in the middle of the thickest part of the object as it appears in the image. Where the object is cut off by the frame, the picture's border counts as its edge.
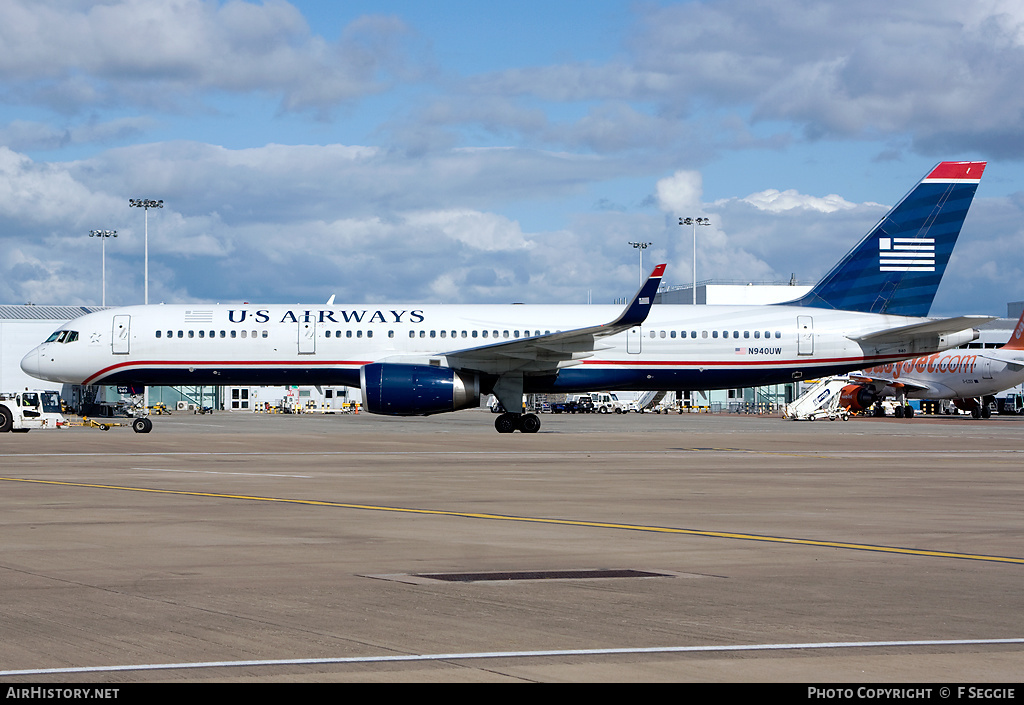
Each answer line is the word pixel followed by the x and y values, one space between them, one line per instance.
pixel 606 403
pixel 22 411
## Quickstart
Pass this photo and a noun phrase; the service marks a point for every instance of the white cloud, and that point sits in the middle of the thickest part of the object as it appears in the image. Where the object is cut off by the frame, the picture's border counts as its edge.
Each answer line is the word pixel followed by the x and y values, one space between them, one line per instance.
pixel 775 201
pixel 140 52
pixel 680 193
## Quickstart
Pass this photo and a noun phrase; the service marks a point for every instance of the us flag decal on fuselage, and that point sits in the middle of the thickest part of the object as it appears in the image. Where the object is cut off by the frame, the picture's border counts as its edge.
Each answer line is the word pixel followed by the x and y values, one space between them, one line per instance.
pixel 906 254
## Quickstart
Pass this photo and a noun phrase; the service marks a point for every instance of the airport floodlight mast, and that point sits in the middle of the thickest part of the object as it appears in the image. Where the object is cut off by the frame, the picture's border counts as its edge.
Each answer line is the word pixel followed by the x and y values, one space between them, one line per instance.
pixel 695 222
pixel 103 235
pixel 147 204
pixel 641 246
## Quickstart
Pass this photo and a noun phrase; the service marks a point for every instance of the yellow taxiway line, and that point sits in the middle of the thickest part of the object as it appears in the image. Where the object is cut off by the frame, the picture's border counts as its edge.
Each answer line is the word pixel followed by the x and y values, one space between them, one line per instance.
pixel 543 520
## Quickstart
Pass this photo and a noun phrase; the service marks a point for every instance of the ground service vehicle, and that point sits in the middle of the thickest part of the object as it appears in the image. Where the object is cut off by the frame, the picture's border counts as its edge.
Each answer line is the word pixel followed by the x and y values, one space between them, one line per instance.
pixel 22 411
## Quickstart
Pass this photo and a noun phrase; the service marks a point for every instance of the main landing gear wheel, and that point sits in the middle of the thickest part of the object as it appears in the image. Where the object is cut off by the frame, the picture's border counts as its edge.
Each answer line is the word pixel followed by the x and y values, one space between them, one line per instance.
pixel 508 423
pixel 529 423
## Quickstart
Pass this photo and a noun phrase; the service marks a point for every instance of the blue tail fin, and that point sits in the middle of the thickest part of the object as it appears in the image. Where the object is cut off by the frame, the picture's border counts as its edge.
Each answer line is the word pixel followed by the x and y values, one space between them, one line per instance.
pixel 898 265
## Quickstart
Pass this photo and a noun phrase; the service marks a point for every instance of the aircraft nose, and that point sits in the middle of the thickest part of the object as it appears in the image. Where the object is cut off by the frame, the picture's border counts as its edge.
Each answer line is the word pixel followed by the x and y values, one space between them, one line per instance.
pixel 30 363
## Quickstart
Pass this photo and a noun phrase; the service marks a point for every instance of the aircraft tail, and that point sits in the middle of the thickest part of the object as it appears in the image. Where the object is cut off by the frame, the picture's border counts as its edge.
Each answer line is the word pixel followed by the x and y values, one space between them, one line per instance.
pixel 1016 341
pixel 896 268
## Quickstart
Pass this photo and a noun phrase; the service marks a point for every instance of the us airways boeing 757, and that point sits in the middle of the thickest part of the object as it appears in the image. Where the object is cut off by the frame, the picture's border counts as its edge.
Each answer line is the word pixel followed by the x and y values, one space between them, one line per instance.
pixel 425 359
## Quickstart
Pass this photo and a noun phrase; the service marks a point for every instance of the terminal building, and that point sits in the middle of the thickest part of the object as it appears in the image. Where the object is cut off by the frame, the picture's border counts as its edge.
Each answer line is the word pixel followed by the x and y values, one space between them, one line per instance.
pixel 22 327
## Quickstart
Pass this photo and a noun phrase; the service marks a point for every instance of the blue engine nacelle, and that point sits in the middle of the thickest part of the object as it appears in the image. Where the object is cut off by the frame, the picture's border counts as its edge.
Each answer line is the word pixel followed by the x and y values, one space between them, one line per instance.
pixel 416 390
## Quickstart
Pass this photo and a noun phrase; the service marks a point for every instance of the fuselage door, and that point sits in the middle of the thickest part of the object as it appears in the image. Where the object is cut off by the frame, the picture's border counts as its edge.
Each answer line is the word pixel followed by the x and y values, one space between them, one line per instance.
pixel 120 334
pixel 804 335
pixel 633 338
pixel 307 337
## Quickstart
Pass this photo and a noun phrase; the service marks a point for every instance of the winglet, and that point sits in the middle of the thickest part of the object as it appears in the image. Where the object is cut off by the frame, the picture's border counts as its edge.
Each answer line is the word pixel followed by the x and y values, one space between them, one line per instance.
pixel 636 312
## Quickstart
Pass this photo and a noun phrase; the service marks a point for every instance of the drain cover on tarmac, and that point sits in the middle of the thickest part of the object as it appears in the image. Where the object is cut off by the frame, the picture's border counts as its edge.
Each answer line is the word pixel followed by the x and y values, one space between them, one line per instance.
pixel 504 576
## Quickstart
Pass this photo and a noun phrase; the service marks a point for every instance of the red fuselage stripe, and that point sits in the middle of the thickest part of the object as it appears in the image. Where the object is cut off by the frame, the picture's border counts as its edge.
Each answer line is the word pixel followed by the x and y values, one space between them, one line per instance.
pixel 738 363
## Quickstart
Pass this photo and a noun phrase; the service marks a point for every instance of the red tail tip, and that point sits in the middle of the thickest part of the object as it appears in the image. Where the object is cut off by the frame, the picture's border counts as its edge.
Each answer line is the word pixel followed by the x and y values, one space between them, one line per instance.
pixel 958 170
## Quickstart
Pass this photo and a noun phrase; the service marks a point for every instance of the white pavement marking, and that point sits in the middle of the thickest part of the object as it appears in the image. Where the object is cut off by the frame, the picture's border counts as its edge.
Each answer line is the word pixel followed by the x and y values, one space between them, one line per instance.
pixel 515 654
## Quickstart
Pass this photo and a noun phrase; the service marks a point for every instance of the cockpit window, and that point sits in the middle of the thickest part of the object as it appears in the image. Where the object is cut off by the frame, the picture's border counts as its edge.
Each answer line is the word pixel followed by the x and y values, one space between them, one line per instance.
pixel 63 336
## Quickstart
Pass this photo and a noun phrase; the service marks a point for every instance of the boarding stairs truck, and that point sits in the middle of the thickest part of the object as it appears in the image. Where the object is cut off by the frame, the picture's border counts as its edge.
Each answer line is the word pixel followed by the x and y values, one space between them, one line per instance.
pixel 23 411
pixel 649 400
pixel 821 401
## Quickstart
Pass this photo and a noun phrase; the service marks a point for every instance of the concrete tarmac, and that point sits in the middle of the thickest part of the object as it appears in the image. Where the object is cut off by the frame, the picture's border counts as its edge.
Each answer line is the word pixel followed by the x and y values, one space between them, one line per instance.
pixel 241 547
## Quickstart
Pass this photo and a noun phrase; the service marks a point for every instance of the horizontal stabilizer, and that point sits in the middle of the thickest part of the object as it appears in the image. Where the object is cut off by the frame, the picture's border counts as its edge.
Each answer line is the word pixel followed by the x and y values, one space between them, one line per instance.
pixel 1015 364
pixel 939 326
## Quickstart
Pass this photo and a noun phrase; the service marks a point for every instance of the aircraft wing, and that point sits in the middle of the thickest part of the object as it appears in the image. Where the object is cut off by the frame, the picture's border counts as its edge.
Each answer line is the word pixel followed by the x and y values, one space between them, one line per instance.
pixel 880 381
pixel 937 327
pixel 546 353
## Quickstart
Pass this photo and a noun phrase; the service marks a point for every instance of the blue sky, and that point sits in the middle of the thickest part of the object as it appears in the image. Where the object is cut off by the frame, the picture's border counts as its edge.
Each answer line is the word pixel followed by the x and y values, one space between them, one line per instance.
pixel 491 152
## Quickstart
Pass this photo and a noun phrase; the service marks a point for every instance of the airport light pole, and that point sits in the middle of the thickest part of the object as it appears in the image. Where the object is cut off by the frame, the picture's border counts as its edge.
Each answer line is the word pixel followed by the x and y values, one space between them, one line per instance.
pixel 641 246
pixel 147 204
pixel 695 222
pixel 103 235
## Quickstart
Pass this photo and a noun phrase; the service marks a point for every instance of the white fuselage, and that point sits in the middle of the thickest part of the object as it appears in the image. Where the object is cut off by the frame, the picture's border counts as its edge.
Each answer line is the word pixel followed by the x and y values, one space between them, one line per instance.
pixel 677 347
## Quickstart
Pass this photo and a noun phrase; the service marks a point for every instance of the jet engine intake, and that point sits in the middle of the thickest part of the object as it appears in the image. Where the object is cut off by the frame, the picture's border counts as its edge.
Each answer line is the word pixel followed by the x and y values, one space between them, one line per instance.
pixel 857 397
pixel 394 389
